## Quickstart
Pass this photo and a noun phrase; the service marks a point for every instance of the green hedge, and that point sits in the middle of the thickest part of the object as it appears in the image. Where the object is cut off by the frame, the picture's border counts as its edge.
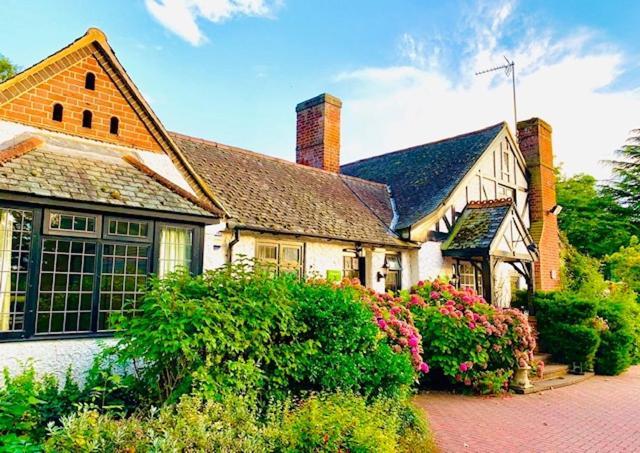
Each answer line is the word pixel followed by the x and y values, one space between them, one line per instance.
pixel 618 347
pixel 603 335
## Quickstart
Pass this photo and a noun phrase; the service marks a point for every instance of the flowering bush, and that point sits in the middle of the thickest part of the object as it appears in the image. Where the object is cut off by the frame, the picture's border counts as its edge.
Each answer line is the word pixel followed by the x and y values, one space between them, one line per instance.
pixel 467 340
pixel 393 317
pixel 238 329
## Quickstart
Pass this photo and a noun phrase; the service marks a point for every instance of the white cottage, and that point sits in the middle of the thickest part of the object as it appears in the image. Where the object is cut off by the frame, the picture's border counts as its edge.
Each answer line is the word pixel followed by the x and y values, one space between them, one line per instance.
pixel 95 195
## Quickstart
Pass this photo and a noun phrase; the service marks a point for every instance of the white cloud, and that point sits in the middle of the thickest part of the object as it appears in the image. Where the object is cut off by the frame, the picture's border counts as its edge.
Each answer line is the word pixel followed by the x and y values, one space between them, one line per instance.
pixel 560 80
pixel 181 16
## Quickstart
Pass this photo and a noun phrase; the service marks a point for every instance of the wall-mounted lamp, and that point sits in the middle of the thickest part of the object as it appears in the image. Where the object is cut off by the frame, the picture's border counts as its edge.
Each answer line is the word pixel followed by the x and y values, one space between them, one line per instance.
pixel 557 209
pixel 384 271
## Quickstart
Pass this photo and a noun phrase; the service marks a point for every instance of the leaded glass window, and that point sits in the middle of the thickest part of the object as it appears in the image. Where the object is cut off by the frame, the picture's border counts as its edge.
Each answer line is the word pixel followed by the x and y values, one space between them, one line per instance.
pixel 127 229
pixel 67 278
pixel 72 224
pixel 15 246
pixel 123 279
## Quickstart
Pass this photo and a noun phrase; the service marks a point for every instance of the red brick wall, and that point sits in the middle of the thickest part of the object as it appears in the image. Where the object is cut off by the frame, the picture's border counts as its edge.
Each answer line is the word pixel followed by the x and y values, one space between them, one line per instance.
pixel 35 107
pixel 534 137
pixel 318 133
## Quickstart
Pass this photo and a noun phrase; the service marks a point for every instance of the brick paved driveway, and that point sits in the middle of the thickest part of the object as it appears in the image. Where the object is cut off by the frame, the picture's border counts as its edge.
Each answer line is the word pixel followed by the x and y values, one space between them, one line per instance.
pixel 601 414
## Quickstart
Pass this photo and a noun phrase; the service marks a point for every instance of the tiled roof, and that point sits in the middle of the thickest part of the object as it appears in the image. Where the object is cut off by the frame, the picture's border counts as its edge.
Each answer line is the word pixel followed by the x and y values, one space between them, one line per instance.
pixel 271 194
pixel 477 226
pixel 84 171
pixel 423 176
pixel 94 41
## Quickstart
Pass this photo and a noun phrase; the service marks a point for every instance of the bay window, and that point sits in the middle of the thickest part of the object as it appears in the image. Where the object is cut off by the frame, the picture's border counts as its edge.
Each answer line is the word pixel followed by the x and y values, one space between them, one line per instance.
pixel 66 273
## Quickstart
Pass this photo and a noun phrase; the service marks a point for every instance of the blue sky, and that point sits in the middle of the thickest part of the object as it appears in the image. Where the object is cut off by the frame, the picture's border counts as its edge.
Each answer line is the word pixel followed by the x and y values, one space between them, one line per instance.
pixel 233 70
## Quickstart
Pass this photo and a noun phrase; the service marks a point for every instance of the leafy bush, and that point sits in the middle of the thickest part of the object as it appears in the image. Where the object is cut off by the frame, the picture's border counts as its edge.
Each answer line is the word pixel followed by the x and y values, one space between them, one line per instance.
pixel 619 341
pixel 603 334
pixel 28 404
pixel 339 422
pixel 229 329
pixel 351 353
pixel 244 331
pixel 566 327
pixel 469 341
pixel 346 422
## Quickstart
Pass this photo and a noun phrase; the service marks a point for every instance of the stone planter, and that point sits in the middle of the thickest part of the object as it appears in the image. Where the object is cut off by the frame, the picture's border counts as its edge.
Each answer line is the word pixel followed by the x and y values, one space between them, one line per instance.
pixel 521 379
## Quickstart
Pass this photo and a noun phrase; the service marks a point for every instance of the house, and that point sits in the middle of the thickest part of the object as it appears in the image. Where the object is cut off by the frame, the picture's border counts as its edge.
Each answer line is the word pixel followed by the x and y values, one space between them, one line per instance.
pixel 95 195
pixel 476 207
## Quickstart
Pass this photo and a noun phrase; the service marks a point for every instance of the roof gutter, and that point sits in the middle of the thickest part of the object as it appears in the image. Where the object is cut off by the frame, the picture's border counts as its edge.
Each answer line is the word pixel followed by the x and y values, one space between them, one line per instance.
pixel 258 229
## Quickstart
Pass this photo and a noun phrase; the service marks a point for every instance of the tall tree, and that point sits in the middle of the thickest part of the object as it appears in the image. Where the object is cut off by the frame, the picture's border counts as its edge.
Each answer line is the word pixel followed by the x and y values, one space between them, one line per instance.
pixel 625 186
pixel 593 221
pixel 7 69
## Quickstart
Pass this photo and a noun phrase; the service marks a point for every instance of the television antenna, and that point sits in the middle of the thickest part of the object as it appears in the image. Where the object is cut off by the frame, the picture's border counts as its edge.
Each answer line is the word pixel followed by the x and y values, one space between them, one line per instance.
pixel 510 70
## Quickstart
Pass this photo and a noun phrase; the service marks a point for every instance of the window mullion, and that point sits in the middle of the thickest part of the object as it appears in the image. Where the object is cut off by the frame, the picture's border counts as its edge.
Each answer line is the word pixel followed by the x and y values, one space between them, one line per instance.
pixel 33 275
pixel 97 284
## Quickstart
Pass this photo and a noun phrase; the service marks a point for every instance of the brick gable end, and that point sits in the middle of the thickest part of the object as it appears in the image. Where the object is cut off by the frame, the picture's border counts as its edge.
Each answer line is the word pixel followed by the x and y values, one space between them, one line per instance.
pixel 34 107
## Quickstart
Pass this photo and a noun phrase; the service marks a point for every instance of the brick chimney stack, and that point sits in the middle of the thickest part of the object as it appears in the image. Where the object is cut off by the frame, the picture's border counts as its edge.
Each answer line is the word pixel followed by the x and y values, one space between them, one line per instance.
pixel 318 132
pixel 534 137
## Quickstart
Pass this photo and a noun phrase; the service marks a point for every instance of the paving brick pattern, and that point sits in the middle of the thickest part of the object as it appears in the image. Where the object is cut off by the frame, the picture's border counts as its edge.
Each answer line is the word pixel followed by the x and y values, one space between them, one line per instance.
pixel 601 414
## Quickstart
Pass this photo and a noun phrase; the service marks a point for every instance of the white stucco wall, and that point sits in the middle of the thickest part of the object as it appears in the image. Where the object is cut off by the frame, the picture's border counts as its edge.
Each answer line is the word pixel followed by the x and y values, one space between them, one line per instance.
pixel 430 262
pixel 52 356
pixel 322 257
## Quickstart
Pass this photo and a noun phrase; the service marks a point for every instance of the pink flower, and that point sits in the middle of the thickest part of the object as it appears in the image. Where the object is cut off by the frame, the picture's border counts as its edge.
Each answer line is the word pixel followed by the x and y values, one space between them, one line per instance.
pixel 413 341
pixel 472 325
pixel 382 323
pixel 464 367
pixel 420 284
pixel 467 381
pixel 444 311
pixel 424 367
pixel 434 295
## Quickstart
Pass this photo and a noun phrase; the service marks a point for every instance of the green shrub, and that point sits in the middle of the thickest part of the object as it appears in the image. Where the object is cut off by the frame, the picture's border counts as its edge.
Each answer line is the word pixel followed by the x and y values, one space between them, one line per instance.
pixel 567 308
pixel 566 327
pixel 569 343
pixel 618 347
pixel 351 355
pixel 345 422
pixel 468 341
pixel 191 425
pixel 28 404
pixel 339 422
pixel 603 334
pixel 246 332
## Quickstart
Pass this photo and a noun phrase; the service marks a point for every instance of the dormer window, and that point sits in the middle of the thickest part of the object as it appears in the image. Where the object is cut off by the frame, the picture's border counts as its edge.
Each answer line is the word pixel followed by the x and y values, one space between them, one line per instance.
pixel 114 125
pixel 87 117
pixel 90 81
pixel 57 112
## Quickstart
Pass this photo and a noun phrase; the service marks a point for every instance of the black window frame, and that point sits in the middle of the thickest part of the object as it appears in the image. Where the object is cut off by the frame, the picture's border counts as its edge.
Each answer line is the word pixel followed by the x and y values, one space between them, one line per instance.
pixel 38 236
